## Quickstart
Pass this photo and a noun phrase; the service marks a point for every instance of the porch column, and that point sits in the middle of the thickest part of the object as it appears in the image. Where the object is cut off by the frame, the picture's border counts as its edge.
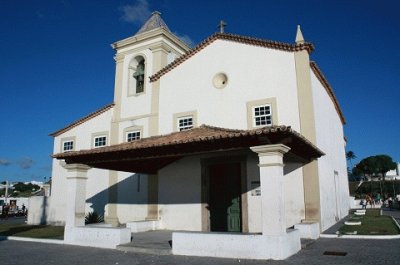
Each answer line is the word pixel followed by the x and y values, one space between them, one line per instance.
pixel 271 182
pixel 76 194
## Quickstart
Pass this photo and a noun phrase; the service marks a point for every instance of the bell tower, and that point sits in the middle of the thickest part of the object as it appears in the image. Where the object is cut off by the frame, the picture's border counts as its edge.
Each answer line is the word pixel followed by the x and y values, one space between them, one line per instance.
pixel 136 99
pixel 137 58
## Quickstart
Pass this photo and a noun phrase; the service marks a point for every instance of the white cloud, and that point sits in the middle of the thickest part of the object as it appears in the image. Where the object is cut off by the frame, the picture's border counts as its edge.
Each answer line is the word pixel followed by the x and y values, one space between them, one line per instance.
pixel 25 162
pixel 4 162
pixel 136 13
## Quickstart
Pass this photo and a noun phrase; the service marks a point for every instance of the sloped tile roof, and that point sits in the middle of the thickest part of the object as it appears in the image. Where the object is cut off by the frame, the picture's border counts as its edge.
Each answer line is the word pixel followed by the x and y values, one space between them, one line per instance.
pixel 82 120
pixel 154 22
pixel 148 155
pixel 235 38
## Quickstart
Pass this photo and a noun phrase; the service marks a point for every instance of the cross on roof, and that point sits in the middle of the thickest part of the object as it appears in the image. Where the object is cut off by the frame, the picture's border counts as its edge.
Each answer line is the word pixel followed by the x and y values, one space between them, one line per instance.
pixel 221 26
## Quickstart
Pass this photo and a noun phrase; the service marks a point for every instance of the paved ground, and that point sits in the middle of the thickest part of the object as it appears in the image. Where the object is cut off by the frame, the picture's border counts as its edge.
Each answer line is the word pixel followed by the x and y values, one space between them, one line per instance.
pixel 358 252
pixel 13 220
pixel 355 251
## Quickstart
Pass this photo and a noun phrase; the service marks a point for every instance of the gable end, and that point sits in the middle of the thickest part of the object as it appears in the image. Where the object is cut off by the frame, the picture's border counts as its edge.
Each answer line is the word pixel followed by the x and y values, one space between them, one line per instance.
pixel 235 38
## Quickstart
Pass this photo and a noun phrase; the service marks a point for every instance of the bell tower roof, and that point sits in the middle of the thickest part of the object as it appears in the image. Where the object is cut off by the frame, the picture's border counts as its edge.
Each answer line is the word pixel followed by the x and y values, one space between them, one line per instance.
pixel 154 22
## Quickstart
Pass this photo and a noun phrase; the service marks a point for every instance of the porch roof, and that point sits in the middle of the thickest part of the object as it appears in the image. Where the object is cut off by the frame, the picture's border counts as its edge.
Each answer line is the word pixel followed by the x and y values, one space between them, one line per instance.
pixel 148 155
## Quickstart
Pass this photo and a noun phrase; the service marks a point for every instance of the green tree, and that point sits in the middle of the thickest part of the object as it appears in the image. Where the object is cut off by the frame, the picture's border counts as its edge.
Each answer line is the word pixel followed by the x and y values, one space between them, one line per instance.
pixel 384 164
pixel 368 166
pixel 22 187
pixel 376 166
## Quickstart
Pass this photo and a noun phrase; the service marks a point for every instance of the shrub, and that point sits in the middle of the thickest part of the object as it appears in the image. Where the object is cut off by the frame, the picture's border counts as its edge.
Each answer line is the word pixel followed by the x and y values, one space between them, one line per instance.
pixel 93 217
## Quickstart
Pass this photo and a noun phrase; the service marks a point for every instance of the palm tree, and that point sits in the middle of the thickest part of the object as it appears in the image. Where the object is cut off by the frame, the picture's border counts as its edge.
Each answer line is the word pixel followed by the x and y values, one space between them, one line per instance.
pixel 350 156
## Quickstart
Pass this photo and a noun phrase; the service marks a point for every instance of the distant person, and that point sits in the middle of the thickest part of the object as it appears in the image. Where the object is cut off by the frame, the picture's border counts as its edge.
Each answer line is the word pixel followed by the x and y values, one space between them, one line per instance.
pixel 378 199
pixel 368 200
pixel 363 204
pixel 398 200
pixel 23 208
pixel 6 208
pixel 390 202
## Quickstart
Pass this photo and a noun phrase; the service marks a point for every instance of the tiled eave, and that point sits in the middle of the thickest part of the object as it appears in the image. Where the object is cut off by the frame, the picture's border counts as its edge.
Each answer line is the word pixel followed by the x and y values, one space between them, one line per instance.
pixel 82 120
pixel 235 38
pixel 328 88
pixel 148 155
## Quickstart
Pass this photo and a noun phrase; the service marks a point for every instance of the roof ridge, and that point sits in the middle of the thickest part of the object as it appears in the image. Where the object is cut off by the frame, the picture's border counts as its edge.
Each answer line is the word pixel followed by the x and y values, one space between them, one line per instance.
pixel 82 120
pixel 237 38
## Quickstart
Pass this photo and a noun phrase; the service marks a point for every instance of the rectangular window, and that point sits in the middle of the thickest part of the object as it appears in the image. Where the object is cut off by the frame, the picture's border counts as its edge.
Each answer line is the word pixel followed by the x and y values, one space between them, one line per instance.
pixel 100 141
pixel 185 123
pixel 262 115
pixel 132 136
pixel 68 146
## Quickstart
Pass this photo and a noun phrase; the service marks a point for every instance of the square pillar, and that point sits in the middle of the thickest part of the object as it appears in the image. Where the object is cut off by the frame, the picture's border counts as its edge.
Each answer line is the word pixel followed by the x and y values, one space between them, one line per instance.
pixel 271 183
pixel 76 194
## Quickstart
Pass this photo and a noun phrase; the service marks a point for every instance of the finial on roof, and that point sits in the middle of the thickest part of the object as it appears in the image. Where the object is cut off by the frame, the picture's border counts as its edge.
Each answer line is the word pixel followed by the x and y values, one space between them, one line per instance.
pixel 155 21
pixel 299 36
pixel 221 26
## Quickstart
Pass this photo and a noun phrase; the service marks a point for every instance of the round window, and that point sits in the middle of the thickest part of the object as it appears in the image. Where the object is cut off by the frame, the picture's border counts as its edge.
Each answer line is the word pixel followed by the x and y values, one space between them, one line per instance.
pixel 220 80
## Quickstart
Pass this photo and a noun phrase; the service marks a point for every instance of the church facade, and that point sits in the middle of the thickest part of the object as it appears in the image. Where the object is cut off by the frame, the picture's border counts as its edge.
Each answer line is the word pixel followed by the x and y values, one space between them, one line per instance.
pixel 237 135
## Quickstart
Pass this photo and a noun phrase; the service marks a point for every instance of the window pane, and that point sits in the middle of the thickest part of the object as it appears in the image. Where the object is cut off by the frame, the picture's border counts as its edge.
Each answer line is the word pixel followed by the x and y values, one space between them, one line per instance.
pixel 132 136
pixel 100 141
pixel 262 115
pixel 185 123
pixel 68 146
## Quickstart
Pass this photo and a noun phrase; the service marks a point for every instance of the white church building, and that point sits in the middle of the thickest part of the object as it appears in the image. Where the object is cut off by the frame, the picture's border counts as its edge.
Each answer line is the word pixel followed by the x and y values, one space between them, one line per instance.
pixel 236 143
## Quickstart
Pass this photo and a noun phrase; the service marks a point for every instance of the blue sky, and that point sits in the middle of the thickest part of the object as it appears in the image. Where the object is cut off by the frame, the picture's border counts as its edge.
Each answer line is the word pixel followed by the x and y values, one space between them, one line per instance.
pixel 56 63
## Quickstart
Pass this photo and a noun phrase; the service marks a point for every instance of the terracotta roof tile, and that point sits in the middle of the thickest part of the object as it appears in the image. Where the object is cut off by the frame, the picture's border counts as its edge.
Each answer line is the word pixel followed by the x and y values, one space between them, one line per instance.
pixel 82 120
pixel 201 134
pixel 236 38
pixel 328 88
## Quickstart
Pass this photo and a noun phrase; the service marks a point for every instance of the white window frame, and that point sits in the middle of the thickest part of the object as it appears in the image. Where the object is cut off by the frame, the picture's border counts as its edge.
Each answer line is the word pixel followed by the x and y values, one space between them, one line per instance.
pixel 65 140
pixel 139 132
pixel 65 143
pixel 98 137
pixel 186 126
pixel 267 118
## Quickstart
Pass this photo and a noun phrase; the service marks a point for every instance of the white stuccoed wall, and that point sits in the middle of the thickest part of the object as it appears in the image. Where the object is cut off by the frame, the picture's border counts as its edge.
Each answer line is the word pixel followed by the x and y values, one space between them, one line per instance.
pixel 271 73
pixel 294 194
pixel 97 182
pixel 132 197
pixel 330 139
pixel 180 195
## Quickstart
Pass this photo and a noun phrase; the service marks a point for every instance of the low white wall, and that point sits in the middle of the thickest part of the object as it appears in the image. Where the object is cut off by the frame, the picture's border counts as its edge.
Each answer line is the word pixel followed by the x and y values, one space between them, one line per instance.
pixel 238 246
pixel 308 230
pixel 101 237
pixel 143 226
pixel 40 211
